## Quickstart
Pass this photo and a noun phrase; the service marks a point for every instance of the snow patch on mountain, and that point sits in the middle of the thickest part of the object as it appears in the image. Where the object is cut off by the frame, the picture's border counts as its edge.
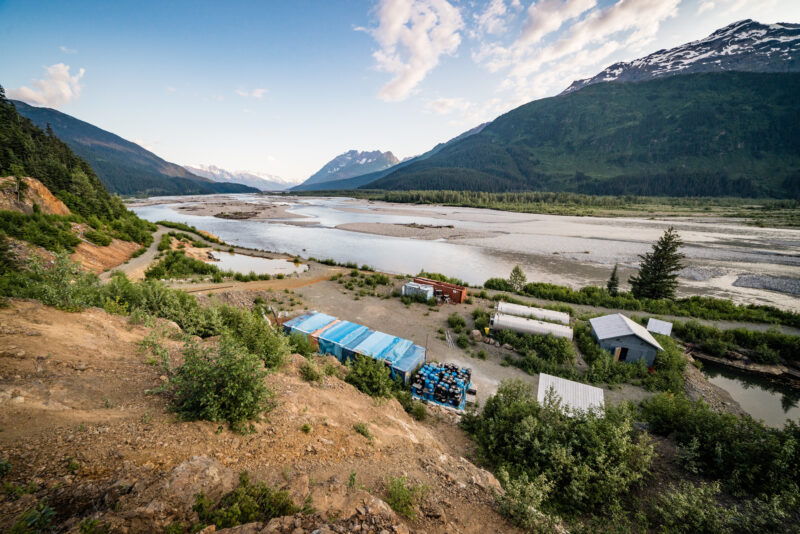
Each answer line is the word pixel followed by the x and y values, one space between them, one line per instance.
pixel 259 180
pixel 351 164
pixel 746 45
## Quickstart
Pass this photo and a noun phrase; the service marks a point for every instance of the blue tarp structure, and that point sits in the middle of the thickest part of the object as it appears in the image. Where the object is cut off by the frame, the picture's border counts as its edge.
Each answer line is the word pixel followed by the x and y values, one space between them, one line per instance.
pixel 344 340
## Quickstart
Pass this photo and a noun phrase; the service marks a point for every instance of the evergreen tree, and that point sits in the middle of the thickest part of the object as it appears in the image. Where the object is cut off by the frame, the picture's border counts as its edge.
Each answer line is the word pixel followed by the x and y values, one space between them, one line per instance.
pixel 517 278
pixel 658 271
pixel 613 283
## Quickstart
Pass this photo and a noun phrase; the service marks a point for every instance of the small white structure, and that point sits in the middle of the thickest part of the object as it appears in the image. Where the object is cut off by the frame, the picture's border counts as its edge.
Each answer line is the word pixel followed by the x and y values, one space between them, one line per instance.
pixel 657 326
pixel 536 313
pixel 502 321
pixel 573 395
pixel 413 288
pixel 625 339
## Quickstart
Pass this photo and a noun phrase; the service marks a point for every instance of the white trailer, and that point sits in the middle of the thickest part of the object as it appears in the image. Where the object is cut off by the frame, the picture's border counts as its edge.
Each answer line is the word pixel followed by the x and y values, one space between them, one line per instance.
pixel 502 321
pixel 536 313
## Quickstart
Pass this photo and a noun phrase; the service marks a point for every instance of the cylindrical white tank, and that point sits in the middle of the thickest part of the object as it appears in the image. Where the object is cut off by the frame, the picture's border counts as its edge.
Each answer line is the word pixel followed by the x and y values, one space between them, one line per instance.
pixel 537 313
pixel 501 321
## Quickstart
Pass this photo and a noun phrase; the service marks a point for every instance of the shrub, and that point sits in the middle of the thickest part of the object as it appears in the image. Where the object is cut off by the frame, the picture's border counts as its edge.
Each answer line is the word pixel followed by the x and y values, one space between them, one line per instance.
pixel 176 264
pixel 34 521
pixel 763 354
pixel 456 322
pixel 480 319
pixel 98 238
pixel 363 429
pixel 225 383
pixel 575 452
pixel 686 508
pixel 522 501
pixel 164 243
pixel 403 498
pixel 5 467
pixel 462 341
pixel 63 284
pixel 247 503
pixel 549 348
pixel 301 344
pixel 310 372
pixel 370 376
pixel 746 455
pixel 305 428
pixel 411 405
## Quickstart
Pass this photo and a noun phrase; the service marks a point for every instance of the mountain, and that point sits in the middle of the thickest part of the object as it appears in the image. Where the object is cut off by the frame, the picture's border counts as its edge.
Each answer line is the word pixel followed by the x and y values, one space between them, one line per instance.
pixel 708 134
pixel 29 151
pixel 123 167
pixel 364 179
pixel 351 163
pixel 742 46
pixel 261 181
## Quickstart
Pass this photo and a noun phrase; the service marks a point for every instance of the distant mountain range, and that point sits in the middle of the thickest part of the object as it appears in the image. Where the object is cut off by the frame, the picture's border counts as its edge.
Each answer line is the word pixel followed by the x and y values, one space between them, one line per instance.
pixel 261 181
pixel 364 179
pixel 716 117
pixel 351 163
pixel 746 45
pixel 123 167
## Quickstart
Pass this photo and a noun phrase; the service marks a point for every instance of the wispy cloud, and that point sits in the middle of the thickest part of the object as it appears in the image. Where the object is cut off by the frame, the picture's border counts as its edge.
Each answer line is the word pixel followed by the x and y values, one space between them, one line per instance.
pixel 444 106
pixel 412 36
pixel 536 65
pixel 57 88
pixel 705 6
pixel 255 93
pixel 170 89
pixel 67 50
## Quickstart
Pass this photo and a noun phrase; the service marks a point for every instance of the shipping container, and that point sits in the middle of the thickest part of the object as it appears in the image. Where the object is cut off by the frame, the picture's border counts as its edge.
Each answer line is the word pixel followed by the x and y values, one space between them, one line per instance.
pixel 444 290
pixel 412 289
pixel 345 340
pixel 501 321
pixel 535 313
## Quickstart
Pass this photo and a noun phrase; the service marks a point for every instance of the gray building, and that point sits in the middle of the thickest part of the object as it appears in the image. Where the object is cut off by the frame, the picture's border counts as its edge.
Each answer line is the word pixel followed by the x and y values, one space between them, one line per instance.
pixel 625 339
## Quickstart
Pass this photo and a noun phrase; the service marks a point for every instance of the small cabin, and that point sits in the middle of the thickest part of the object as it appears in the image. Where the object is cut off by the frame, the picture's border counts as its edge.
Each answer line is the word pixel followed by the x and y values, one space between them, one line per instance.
pixel 625 339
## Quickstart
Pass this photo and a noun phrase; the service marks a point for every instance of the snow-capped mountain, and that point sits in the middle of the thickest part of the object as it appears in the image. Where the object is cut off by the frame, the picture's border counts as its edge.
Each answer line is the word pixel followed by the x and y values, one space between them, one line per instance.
pixel 352 163
pixel 262 181
pixel 746 45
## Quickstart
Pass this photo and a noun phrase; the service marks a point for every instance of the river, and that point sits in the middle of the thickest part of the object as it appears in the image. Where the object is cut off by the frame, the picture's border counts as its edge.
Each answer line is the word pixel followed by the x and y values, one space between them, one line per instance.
pixel 565 250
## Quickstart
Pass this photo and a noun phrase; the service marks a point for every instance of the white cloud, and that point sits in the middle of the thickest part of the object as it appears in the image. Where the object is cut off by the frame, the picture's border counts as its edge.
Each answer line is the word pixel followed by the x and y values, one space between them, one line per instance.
pixel 55 89
pixel 170 89
pixel 443 106
pixel 705 6
pixel 493 19
pixel 255 93
pixel 412 36
pixel 547 16
pixel 589 34
pixel 67 50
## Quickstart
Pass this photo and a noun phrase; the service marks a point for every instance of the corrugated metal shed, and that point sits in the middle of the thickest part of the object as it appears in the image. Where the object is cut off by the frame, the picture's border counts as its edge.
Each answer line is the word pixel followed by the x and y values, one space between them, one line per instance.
pixel 658 326
pixel 536 313
pixel 413 288
pixel 573 395
pixel 617 325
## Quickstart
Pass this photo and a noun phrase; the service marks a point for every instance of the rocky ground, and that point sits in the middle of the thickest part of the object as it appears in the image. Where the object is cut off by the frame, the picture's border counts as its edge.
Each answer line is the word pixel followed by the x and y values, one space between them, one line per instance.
pixel 86 430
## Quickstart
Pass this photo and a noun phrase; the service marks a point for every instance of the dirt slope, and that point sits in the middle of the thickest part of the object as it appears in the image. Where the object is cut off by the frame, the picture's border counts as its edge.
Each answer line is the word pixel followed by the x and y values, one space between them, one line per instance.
pixel 77 421
pixel 36 193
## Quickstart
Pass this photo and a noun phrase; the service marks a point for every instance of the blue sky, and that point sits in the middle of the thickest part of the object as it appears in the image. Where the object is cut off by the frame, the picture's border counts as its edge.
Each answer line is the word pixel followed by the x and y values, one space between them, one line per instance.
pixel 283 87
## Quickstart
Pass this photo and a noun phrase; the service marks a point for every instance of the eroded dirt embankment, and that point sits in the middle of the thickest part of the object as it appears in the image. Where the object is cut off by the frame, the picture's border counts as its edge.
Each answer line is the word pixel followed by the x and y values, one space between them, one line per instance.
pixel 81 425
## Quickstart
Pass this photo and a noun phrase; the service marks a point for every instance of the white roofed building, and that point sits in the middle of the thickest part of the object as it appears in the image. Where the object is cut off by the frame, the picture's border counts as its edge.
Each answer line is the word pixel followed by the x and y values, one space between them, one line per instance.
pixel 625 339
pixel 573 395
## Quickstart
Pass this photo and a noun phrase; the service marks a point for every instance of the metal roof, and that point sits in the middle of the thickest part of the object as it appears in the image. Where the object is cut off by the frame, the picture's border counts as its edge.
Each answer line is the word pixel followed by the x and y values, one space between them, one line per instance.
pixel 573 395
pixel 617 325
pixel 658 326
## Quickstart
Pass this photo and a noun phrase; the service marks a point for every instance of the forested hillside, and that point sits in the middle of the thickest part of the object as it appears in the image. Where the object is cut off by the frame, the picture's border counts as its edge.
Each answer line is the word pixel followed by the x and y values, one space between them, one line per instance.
pixel 123 167
pixel 26 150
pixel 721 134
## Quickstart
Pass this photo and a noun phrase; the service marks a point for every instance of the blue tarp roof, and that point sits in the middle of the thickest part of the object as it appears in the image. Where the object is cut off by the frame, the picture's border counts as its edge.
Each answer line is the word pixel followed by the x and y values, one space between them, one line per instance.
pixel 344 339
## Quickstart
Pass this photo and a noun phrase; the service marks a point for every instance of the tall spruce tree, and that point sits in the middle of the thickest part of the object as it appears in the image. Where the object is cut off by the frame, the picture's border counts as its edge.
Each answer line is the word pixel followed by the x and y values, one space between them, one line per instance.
pixel 613 283
pixel 658 271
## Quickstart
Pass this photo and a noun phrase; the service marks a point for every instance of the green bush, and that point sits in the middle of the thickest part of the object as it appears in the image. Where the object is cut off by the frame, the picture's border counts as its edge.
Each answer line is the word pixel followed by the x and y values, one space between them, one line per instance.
pixel 98 238
pixel 462 341
pixel 363 429
pixel 746 455
pixel 522 502
pixel 403 498
pixel 63 284
pixel 225 383
pixel 370 376
pixel 456 322
pixel 52 232
pixel 5 467
pixel 310 372
pixel 574 452
pixel 480 319
pixel 247 503
pixel 411 405
pixel 550 348
pixel 38 520
pixel 686 508
pixel 165 243
pixel 301 344
pixel 176 264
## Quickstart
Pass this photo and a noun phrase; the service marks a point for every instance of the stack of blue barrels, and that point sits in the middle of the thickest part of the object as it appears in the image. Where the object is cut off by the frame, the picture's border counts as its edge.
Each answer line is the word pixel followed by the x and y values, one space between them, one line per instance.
pixel 444 384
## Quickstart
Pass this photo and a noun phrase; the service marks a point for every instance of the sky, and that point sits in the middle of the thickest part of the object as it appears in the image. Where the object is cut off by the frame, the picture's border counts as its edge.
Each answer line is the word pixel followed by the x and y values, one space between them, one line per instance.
pixel 282 87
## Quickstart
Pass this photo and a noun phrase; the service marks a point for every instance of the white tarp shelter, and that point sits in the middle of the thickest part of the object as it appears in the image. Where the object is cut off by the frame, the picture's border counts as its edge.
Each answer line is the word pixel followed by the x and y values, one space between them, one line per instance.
pixel 573 395
pixel 657 326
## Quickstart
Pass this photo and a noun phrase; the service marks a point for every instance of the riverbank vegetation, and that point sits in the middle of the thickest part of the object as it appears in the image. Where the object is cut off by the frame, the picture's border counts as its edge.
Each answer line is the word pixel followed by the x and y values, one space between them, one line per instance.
pixel 763 212
pixel 770 347
pixel 176 264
